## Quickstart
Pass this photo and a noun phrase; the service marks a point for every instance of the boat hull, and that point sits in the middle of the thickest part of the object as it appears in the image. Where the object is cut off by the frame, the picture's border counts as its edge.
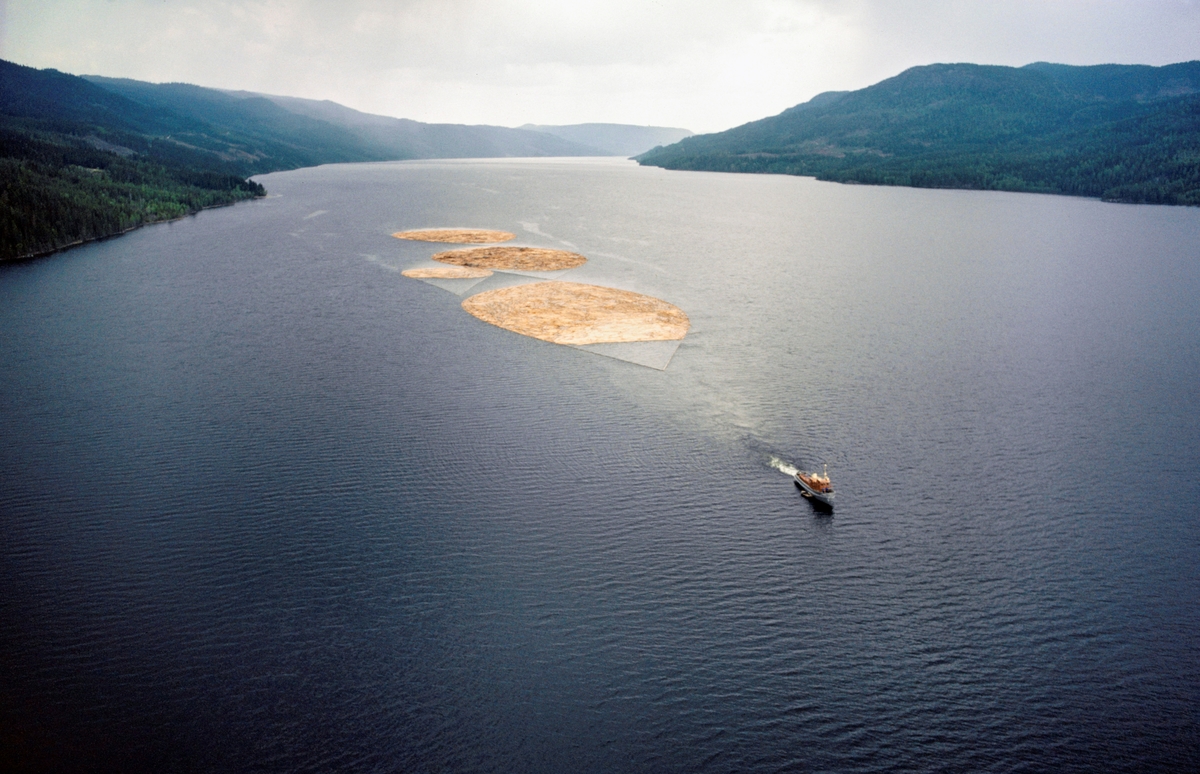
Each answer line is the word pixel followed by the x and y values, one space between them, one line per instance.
pixel 826 498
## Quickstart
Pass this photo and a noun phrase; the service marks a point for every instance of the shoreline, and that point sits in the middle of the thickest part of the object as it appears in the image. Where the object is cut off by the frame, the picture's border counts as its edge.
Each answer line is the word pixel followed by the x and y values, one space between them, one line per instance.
pixel 115 234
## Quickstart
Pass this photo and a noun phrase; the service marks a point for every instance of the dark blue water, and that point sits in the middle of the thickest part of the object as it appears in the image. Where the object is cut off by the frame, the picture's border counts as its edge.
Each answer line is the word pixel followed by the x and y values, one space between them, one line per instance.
pixel 268 505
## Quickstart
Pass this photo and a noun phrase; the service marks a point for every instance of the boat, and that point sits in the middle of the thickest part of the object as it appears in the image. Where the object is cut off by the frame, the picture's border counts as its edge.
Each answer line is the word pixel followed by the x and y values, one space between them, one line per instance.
pixel 816 486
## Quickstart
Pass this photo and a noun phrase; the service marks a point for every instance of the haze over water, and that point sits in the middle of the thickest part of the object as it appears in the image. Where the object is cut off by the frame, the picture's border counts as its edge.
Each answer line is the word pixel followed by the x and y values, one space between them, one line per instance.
pixel 268 505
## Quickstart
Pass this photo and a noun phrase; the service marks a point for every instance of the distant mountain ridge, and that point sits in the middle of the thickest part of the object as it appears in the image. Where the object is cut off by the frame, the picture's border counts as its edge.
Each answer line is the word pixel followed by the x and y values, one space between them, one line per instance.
pixel 403 138
pixel 338 132
pixel 615 139
pixel 1118 132
pixel 87 157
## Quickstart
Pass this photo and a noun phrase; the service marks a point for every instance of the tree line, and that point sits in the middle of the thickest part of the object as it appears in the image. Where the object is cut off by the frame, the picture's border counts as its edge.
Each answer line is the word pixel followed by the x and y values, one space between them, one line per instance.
pixel 58 190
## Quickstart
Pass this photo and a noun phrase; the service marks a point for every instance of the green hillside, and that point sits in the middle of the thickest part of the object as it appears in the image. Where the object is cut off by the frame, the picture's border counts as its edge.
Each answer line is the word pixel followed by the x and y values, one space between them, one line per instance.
pixel 257 134
pixel 1118 132
pixel 78 162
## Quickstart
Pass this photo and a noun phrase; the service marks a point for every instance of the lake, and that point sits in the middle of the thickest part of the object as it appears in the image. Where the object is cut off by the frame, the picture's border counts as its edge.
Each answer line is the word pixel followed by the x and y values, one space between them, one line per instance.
pixel 269 505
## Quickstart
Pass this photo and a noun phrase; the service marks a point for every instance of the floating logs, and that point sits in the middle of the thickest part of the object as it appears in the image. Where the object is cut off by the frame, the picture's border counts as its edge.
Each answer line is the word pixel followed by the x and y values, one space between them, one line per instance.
pixel 447 272
pixel 573 313
pixel 458 236
pixel 513 258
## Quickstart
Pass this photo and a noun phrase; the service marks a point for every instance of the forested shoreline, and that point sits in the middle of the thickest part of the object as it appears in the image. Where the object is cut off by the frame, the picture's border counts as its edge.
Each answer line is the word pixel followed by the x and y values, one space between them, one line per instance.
pixel 1123 133
pixel 59 192
pixel 78 163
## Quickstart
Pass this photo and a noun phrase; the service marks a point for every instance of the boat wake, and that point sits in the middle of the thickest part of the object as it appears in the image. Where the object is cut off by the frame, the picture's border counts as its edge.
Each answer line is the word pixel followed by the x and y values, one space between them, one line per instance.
pixel 783 467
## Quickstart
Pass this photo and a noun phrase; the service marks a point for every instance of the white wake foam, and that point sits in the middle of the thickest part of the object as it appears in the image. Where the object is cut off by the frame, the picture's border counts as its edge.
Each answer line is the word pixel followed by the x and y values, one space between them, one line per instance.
pixel 783 467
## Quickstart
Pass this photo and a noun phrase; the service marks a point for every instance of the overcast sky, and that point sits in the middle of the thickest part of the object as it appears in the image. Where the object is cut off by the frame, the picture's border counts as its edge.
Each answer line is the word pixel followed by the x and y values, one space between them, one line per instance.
pixel 705 65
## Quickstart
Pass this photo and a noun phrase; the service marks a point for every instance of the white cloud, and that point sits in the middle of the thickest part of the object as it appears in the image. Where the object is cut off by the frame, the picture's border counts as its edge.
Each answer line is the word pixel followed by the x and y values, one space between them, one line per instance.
pixel 704 64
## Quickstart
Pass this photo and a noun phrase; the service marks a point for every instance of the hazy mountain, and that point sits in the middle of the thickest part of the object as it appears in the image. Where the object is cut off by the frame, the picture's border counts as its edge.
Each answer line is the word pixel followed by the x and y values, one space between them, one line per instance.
pixel 331 132
pixel 1121 132
pixel 615 139
pixel 255 132
pixel 401 138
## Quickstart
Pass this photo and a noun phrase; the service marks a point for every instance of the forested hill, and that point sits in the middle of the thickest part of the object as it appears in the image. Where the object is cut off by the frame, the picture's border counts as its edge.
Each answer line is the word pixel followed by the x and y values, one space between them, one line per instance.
pixel 84 158
pixel 1119 132
pixel 78 162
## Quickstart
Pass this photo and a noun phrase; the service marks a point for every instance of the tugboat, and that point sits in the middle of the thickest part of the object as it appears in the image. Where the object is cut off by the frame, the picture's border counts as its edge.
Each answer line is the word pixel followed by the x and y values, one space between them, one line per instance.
pixel 816 486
